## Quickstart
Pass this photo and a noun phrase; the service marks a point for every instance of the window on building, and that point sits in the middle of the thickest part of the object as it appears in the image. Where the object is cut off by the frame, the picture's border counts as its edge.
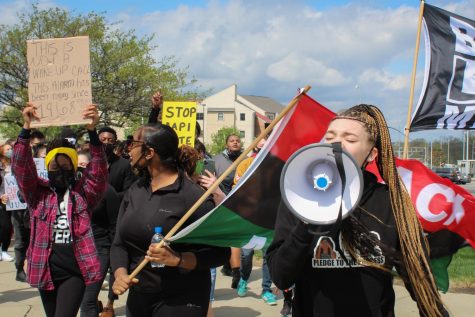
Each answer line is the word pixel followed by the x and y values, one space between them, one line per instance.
pixel 242 117
pixel 199 116
pixel 220 116
pixel 242 134
pixel 271 116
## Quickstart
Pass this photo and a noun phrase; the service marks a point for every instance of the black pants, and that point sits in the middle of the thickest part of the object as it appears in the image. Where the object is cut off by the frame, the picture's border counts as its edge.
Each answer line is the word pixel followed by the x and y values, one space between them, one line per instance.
pixel 5 227
pixel 152 305
pixel 89 302
pixel 65 299
pixel 21 228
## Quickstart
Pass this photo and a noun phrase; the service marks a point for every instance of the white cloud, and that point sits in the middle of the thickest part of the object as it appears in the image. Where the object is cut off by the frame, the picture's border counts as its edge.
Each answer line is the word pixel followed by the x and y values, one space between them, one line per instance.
pixel 388 80
pixel 9 10
pixel 260 45
pixel 294 67
pixel 272 47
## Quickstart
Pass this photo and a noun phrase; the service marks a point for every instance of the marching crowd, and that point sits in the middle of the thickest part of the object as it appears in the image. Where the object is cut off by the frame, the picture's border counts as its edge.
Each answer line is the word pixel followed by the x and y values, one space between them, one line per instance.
pixel 89 218
pixel 98 210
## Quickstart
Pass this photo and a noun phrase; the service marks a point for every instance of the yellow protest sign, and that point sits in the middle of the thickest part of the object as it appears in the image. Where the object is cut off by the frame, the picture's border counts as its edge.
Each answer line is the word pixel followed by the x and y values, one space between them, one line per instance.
pixel 59 79
pixel 181 116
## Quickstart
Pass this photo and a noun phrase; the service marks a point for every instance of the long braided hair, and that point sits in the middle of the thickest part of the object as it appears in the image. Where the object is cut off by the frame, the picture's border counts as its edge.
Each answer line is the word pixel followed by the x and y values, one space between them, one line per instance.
pixel 413 244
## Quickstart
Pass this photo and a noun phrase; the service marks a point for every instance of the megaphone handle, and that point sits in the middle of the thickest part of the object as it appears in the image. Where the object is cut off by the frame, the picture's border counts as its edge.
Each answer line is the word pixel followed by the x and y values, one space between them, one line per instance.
pixel 335 231
pixel 337 150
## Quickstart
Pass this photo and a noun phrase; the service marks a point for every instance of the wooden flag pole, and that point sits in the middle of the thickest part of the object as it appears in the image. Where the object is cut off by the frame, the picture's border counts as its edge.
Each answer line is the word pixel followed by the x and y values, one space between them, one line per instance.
pixel 413 82
pixel 213 187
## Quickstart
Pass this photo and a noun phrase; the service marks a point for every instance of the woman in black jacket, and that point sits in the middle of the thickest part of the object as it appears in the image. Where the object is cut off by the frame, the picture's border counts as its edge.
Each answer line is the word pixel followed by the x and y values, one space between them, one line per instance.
pixel 160 198
pixel 103 223
pixel 383 232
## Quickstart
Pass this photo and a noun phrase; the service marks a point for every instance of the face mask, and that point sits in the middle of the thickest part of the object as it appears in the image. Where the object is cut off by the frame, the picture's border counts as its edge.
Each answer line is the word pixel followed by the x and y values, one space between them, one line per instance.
pixel 109 149
pixel 80 172
pixel 137 169
pixel 233 155
pixel 9 153
pixel 61 180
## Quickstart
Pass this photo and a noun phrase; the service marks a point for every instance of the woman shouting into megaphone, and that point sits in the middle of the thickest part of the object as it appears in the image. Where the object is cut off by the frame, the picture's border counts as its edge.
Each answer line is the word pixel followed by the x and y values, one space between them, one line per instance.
pixel 381 233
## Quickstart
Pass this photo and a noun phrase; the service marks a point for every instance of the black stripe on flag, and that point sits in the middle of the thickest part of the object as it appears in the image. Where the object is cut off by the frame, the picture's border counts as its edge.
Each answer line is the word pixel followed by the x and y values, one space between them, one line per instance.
pixel 447 100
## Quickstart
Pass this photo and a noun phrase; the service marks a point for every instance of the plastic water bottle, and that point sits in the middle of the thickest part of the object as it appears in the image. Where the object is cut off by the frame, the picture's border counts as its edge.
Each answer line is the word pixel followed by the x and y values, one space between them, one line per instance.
pixel 157 237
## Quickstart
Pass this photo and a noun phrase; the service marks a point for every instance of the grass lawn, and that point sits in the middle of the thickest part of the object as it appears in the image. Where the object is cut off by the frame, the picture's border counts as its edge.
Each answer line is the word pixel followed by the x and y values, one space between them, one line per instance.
pixel 462 269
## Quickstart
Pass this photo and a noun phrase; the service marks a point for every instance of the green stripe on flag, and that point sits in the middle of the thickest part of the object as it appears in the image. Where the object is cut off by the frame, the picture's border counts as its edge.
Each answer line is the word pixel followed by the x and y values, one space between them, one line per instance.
pixel 226 228
pixel 439 270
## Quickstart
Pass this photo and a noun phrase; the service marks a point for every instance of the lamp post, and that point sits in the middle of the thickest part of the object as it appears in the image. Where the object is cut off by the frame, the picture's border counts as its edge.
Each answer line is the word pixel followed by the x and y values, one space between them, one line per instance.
pixel 448 150
pixel 399 143
pixel 468 137
pixel 431 154
pixel 204 114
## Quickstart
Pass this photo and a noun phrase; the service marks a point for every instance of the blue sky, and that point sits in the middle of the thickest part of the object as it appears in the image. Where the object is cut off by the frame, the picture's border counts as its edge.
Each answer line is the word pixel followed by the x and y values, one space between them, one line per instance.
pixel 348 51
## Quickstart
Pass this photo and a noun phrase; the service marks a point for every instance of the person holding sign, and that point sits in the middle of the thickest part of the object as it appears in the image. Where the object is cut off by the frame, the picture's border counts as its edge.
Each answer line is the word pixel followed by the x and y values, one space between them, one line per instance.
pixel 159 199
pixel 62 257
pixel 5 215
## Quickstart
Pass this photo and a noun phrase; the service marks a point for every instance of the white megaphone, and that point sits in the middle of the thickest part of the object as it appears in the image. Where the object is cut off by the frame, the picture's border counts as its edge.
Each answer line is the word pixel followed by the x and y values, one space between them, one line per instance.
pixel 311 185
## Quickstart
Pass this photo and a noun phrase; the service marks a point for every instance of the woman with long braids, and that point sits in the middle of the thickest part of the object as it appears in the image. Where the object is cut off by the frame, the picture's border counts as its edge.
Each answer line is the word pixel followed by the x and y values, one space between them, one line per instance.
pixel 159 199
pixel 382 232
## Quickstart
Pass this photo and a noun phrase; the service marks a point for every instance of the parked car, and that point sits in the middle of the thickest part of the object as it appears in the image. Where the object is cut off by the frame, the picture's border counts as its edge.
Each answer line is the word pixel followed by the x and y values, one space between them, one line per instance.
pixel 466 178
pixel 449 172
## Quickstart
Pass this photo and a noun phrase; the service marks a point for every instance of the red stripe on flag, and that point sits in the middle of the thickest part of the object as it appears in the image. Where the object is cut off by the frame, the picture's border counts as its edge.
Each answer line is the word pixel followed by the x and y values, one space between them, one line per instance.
pixel 307 125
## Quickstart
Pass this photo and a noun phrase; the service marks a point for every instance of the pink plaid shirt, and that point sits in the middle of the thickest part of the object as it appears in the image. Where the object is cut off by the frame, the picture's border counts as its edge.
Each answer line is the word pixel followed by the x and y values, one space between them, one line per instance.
pixel 43 204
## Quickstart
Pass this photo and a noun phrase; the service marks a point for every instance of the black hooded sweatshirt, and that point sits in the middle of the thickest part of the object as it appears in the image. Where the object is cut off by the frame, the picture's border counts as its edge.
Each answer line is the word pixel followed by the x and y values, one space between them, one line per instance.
pixel 324 284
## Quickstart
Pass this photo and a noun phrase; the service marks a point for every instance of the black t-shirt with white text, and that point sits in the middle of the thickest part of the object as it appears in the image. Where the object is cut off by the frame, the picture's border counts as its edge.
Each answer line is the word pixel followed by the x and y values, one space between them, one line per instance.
pixel 62 260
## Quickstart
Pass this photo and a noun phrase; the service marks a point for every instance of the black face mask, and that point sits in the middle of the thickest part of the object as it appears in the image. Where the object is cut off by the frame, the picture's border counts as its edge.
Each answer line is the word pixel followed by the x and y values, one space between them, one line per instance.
pixel 109 150
pixel 137 169
pixel 80 172
pixel 233 155
pixel 61 180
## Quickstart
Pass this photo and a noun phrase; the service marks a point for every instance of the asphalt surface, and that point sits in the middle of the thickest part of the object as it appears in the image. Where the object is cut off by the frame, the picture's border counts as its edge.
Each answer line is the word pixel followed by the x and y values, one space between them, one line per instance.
pixel 18 299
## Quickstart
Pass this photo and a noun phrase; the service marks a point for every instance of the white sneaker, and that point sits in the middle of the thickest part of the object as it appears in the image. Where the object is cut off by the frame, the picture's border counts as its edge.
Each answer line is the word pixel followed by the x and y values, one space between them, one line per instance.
pixel 6 257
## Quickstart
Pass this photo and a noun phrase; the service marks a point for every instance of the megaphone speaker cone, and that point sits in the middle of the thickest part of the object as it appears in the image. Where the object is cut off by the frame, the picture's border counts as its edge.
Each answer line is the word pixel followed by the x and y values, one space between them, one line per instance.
pixel 311 185
pixel 322 174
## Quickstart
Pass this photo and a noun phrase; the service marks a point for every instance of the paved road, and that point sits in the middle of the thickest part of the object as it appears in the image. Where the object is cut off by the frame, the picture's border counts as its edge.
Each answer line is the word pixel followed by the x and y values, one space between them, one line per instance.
pixel 470 187
pixel 18 299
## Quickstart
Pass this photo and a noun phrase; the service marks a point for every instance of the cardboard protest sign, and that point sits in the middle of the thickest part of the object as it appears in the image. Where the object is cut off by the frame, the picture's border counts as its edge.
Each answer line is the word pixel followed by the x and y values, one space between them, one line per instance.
pixel 15 201
pixel 59 79
pixel 181 116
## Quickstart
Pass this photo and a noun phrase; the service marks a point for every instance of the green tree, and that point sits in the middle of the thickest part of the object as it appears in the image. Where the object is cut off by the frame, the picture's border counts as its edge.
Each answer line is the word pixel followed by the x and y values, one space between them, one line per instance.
pixel 219 139
pixel 124 72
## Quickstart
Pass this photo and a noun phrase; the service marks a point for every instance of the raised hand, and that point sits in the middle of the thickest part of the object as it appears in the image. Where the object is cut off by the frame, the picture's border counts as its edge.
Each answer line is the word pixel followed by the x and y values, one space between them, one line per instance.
pixel 91 112
pixel 29 114
pixel 157 100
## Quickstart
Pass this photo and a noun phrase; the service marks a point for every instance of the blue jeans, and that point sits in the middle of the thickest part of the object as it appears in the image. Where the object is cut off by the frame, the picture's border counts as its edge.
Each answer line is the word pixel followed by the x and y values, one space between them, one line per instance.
pixel 246 268
pixel 213 284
